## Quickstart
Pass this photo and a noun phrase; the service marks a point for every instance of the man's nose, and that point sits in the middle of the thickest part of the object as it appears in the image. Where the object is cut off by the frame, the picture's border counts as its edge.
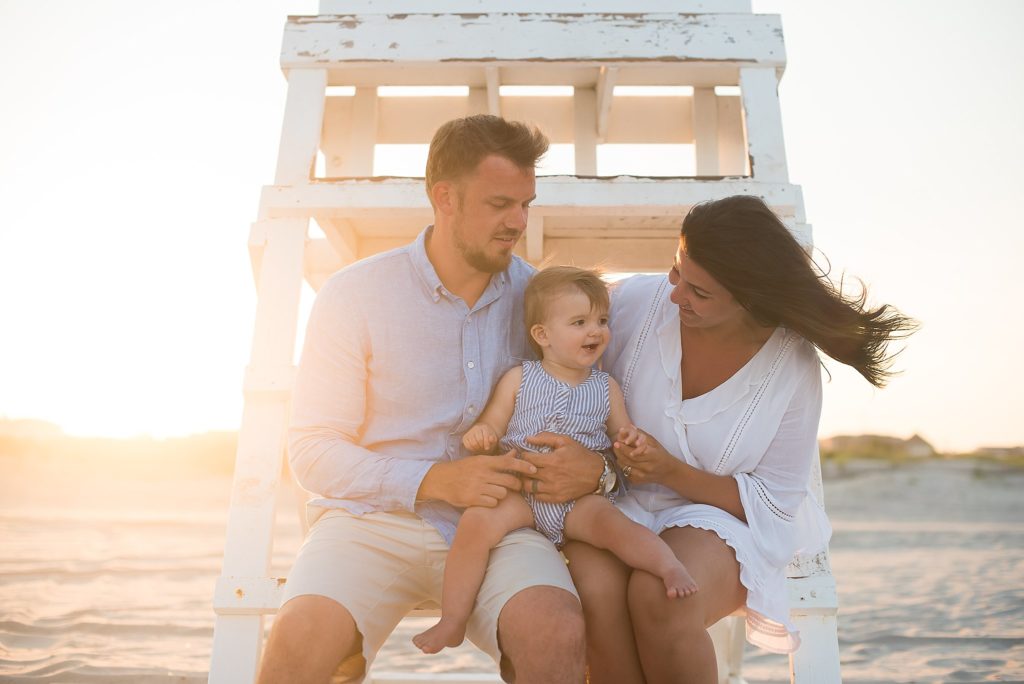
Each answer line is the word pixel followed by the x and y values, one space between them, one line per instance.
pixel 517 218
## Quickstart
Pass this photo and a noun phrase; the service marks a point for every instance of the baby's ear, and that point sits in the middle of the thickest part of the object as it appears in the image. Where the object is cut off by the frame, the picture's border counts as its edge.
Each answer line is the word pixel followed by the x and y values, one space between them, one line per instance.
pixel 539 334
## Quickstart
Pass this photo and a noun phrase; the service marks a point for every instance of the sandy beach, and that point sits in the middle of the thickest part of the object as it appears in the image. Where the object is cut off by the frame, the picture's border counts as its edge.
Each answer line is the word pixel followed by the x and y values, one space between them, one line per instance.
pixel 106 579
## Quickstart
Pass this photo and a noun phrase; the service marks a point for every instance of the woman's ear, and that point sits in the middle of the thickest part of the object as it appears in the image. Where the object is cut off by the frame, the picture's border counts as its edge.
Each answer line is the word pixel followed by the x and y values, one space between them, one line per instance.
pixel 539 334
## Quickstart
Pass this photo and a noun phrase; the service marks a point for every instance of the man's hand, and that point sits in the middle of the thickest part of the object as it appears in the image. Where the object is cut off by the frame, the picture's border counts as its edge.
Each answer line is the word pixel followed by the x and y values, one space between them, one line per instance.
pixel 567 472
pixel 474 480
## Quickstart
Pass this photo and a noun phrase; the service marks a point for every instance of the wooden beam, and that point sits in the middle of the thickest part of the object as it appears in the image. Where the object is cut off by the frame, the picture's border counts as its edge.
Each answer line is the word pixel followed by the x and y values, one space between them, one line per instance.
pixel 705 130
pixel 762 119
pixel 493 77
pixel 556 196
pixel 585 133
pixel 357 158
pixel 605 92
pixel 535 237
pixel 303 120
pixel 318 42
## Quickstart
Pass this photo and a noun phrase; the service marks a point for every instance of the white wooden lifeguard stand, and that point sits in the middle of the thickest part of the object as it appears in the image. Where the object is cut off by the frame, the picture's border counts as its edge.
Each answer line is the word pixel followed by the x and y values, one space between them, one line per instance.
pixel 729 62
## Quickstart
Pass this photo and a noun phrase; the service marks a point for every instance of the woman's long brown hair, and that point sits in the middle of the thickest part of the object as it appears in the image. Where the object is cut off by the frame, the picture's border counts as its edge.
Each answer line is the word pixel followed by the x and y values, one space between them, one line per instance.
pixel 742 244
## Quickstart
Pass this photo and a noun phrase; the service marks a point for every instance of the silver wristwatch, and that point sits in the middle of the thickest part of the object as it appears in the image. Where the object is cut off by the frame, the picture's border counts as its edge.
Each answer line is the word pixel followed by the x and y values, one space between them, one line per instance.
pixel 606 483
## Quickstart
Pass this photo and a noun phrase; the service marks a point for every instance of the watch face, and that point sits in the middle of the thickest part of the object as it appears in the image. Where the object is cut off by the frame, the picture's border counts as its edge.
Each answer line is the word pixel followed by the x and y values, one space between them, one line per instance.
pixel 612 480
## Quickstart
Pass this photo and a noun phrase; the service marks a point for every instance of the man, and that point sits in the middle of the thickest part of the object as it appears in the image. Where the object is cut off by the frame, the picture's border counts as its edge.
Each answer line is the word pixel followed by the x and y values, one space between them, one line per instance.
pixel 401 353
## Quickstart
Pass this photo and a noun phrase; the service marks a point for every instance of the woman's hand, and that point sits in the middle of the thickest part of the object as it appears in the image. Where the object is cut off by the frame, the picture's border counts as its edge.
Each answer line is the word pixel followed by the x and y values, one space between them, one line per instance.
pixel 642 457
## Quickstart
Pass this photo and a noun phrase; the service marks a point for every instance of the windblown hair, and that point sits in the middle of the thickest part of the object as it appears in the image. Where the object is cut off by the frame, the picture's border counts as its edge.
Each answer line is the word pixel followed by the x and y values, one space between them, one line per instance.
pixel 743 245
pixel 554 281
pixel 460 145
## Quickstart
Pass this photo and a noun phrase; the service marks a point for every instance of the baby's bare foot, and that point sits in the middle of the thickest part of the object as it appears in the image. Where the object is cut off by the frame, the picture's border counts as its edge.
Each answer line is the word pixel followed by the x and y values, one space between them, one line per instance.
pixel 440 636
pixel 678 583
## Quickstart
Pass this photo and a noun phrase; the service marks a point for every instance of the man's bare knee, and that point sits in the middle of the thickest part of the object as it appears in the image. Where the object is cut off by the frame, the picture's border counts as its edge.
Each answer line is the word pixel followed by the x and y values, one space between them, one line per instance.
pixel 310 637
pixel 541 633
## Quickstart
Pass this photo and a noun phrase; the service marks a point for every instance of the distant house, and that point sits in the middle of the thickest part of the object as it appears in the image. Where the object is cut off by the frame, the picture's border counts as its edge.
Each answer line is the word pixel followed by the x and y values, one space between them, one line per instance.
pixel 878 446
pixel 1001 452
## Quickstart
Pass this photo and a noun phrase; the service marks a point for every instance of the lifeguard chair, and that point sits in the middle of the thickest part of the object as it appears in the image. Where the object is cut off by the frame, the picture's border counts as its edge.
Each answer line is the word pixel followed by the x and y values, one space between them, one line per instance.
pixel 720 65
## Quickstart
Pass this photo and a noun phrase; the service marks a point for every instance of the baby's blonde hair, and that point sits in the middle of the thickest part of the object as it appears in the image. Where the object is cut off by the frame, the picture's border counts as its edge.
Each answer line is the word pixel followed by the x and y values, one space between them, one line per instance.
pixel 554 281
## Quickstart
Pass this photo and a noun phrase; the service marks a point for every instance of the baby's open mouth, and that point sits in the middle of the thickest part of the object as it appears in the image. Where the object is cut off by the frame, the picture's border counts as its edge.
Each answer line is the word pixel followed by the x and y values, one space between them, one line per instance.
pixel 590 347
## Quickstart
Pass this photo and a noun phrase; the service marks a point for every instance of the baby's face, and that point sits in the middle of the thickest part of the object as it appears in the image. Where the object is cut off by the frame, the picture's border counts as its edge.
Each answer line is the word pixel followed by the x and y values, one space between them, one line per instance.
pixel 575 333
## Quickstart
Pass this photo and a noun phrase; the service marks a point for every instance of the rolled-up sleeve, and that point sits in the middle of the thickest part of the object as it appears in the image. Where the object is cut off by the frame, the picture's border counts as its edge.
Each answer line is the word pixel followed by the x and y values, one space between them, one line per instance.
pixel 329 408
pixel 776 488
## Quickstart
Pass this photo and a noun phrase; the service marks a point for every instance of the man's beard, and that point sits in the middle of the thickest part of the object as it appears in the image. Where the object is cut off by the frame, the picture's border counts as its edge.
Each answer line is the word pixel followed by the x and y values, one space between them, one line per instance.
pixel 477 258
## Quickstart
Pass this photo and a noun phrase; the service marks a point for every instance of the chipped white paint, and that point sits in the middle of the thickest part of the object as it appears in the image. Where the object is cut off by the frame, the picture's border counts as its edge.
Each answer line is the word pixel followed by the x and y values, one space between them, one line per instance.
pixel 562 6
pixel 763 118
pixel 317 42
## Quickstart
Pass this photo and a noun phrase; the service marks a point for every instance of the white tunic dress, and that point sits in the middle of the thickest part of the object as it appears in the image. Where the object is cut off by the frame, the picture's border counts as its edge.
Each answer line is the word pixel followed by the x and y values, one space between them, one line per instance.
pixel 760 426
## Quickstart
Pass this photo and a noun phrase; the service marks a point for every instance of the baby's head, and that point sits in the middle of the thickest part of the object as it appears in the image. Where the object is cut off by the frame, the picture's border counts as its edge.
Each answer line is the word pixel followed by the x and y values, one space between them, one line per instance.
pixel 555 283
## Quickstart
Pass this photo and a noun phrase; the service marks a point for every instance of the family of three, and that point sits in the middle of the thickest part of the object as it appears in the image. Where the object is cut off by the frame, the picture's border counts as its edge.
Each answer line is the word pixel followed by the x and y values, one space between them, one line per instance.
pixel 469 426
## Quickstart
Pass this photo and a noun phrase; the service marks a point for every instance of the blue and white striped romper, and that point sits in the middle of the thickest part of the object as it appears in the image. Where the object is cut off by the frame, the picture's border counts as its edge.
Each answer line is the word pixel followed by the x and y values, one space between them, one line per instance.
pixel 544 404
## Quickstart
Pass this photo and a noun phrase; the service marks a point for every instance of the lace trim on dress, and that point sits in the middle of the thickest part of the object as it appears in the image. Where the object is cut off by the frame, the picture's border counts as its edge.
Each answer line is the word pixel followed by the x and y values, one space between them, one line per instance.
pixel 769 502
pixel 752 406
pixel 627 377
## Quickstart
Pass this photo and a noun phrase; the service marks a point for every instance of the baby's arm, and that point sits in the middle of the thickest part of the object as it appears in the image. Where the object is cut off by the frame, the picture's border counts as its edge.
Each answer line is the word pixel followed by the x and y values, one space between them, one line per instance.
pixel 493 422
pixel 620 428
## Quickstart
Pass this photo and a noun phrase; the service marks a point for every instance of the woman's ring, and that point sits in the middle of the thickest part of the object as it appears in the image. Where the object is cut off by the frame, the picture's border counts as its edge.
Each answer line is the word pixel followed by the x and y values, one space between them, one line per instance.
pixel 533 488
pixel 626 470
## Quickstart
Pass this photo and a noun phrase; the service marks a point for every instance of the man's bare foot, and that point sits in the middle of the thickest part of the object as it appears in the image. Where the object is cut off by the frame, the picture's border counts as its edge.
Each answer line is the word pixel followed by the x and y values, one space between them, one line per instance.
pixel 678 583
pixel 445 633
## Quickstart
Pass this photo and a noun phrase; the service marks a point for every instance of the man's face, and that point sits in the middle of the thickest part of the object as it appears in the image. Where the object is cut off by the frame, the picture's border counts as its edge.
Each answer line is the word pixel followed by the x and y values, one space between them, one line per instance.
pixel 491 211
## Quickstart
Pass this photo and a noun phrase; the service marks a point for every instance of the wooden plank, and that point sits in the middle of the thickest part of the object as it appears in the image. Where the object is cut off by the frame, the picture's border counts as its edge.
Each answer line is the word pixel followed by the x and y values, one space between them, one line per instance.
pixel 535 237
pixel 556 195
pixel 493 78
pixel 585 127
pixel 732 139
pixel 303 119
pixel 357 158
pixel 318 42
pixel 762 118
pixel 348 7
pixel 261 445
pixel 650 120
pixel 605 92
pixel 705 130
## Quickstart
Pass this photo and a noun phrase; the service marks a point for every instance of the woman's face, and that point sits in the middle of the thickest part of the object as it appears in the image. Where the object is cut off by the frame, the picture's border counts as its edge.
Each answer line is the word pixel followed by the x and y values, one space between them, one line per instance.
pixel 703 302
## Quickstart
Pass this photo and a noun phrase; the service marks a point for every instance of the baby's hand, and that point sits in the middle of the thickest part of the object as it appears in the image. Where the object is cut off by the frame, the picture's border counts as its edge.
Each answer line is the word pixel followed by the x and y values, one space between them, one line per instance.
pixel 480 439
pixel 632 441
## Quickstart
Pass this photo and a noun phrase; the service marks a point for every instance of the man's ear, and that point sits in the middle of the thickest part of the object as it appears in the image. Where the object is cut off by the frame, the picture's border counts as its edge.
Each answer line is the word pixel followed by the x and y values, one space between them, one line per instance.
pixel 539 334
pixel 445 195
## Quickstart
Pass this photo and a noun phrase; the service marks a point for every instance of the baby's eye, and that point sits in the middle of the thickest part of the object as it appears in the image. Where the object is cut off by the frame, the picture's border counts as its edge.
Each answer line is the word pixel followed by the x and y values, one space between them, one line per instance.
pixel 578 321
pixel 604 320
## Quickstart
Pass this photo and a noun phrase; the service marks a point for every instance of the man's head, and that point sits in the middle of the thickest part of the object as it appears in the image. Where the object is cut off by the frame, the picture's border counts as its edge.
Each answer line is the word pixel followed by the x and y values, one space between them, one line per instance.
pixel 481 181
pixel 460 145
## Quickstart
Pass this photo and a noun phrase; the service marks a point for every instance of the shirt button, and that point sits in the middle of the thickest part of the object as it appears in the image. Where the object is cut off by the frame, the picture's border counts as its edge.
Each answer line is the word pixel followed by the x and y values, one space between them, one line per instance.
pixel 471 364
pixel 472 409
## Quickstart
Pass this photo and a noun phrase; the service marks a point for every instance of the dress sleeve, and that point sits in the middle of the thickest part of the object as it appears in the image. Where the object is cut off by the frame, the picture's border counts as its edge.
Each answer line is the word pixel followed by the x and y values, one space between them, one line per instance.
pixel 773 493
pixel 329 408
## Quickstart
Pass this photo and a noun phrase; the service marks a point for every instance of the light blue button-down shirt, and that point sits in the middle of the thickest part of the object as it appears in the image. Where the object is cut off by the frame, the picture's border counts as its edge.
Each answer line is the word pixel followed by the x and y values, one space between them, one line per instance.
pixel 394 370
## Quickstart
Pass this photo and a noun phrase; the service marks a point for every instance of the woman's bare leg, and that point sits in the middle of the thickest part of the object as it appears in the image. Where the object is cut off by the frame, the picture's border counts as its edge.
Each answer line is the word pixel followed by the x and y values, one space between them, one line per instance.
pixel 672 636
pixel 601 580
pixel 596 521
pixel 479 531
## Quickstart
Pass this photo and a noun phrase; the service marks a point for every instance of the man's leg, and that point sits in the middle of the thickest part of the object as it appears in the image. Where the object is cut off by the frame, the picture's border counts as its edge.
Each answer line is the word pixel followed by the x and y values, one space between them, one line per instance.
pixel 311 636
pixel 528 605
pixel 541 633
pixel 354 579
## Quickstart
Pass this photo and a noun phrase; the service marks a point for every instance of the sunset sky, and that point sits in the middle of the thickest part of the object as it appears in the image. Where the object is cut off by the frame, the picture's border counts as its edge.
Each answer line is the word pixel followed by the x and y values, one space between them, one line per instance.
pixel 135 138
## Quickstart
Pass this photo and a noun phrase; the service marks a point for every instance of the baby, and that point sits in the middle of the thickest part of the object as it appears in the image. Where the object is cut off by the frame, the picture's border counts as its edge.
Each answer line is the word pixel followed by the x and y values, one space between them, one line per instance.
pixel 567 320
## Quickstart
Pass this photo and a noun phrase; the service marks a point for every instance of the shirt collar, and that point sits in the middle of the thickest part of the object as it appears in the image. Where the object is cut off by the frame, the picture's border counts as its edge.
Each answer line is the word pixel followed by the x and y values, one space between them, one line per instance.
pixel 432 282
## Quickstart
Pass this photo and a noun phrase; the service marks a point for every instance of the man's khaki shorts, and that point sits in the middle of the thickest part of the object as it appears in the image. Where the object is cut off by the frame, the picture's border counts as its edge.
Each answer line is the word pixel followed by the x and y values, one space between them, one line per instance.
pixel 379 566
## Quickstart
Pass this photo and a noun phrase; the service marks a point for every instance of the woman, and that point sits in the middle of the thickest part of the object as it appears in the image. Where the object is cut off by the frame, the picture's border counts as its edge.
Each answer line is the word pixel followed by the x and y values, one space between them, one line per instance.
pixel 722 371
